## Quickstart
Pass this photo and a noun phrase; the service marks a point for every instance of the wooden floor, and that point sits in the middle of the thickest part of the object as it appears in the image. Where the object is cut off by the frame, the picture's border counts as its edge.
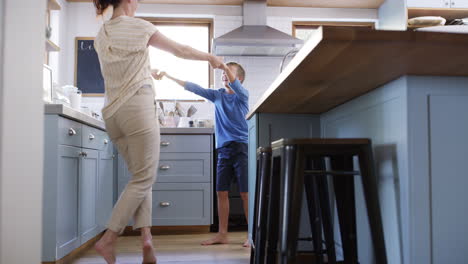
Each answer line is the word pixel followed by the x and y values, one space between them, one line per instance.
pixel 178 249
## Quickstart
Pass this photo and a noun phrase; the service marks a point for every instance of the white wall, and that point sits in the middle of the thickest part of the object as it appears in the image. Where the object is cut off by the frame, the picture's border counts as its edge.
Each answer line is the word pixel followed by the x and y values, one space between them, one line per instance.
pixel 21 130
pixel 81 22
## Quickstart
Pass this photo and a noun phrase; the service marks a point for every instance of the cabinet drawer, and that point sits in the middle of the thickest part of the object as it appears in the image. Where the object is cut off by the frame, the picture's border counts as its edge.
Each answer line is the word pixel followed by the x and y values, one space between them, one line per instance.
pixel 185 143
pixel 184 167
pixel 69 133
pixel 105 143
pixel 181 204
pixel 92 138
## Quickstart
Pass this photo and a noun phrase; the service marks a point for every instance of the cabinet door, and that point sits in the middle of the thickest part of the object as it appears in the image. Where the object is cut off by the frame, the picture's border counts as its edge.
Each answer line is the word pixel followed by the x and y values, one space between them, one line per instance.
pixel 448 178
pixel 184 167
pixel 429 3
pixel 459 4
pixel 67 200
pixel 181 204
pixel 105 193
pixel 88 194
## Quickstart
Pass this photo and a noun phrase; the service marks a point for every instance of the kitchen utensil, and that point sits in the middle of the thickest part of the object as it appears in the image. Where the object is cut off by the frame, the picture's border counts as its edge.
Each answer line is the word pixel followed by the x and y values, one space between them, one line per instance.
pixel 180 109
pixel 86 110
pixel 161 105
pixel 191 111
pixel 200 123
pixel 184 121
pixel 169 121
pixel 75 100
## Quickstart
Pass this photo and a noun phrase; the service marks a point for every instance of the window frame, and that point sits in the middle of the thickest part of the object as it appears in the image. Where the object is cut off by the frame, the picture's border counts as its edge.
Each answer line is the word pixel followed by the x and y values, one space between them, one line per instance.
pixel 188 22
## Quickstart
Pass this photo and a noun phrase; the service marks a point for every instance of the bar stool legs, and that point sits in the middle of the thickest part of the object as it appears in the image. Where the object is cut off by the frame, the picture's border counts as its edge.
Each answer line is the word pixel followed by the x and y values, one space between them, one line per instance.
pixel 290 160
pixel 290 203
pixel 272 229
pixel 315 218
pixel 369 183
pixel 345 202
pixel 261 201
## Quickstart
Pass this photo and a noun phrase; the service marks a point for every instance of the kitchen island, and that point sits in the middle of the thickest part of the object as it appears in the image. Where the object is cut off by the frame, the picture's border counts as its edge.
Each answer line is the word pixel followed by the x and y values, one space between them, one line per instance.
pixel 408 92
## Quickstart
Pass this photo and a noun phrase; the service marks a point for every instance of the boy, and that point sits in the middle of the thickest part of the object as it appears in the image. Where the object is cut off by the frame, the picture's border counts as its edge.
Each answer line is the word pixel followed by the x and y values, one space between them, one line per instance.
pixel 231 107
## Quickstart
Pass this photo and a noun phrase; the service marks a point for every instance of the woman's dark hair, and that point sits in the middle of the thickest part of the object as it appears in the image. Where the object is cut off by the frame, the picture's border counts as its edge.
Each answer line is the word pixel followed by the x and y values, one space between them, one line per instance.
pixel 102 5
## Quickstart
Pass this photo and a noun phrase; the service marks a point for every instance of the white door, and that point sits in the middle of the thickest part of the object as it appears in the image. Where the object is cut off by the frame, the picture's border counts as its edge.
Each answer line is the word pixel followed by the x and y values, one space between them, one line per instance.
pixel 459 3
pixel 430 3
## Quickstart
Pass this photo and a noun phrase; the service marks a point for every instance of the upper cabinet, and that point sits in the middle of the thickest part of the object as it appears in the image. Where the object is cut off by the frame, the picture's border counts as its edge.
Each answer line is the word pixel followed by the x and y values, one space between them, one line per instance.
pixel 429 3
pixel 283 3
pixel 438 3
pixel 448 9
pixel 53 5
pixel 459 4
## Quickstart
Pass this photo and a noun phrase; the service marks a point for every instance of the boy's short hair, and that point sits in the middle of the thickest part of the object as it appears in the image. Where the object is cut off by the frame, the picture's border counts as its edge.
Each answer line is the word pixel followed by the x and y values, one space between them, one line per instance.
pixel 240 70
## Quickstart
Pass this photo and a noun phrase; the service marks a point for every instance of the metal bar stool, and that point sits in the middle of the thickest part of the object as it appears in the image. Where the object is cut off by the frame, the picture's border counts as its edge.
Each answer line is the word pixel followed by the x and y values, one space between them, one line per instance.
pixel 257 254
pixel 300 163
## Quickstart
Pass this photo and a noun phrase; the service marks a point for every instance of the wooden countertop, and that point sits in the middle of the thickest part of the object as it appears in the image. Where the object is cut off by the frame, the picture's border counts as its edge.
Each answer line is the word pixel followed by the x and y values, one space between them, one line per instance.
pixel 340 63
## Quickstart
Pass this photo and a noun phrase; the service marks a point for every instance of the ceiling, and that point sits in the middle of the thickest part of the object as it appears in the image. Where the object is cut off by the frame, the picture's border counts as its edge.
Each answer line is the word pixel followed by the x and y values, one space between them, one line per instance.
pixel 285 3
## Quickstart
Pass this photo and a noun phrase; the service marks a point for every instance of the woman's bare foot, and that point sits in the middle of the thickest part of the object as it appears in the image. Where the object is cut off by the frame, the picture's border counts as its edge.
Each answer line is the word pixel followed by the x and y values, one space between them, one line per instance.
pixel 246 243
pixel 148 252
pixel 219 238
pixel 106 250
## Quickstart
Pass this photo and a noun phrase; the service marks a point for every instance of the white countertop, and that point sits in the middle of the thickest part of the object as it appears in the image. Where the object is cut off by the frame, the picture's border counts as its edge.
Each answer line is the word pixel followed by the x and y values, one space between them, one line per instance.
pixel 68 112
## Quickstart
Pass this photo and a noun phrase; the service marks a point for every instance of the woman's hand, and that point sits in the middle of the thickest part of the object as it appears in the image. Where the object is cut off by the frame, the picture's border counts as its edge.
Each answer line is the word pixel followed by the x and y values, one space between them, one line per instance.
pixel 216 62
pixel 158 75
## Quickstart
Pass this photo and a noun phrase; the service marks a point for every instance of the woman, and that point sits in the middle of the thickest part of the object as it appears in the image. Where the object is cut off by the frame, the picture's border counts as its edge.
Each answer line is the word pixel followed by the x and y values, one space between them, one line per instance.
pixel 129 113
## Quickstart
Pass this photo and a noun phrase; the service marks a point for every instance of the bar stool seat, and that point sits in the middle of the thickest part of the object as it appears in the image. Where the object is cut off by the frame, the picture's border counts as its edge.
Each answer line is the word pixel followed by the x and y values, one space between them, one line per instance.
pixel 301 163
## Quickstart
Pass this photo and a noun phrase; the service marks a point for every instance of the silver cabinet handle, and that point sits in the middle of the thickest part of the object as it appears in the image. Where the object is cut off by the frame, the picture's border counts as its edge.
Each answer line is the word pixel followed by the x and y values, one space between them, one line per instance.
pixel 164 167
pixel 165 204
pixel 91 137
pixel 106 141
pixel 83 154
pixel 165 143
pixel 71 132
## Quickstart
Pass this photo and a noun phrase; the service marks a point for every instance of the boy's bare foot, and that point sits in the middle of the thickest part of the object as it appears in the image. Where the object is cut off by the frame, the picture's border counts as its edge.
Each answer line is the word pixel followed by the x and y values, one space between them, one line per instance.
pixel 217 239
pixel 148 252
pixel 106 250
pixel 246 243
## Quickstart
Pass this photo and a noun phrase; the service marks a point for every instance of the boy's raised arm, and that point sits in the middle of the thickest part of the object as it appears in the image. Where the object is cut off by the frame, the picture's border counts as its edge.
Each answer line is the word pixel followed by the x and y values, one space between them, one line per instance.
pixel 235 83
pixel 192 87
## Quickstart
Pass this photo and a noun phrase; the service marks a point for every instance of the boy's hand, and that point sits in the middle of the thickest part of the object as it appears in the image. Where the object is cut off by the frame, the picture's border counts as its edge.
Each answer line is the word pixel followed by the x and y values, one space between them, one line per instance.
pixel 157 75
pixel 216 62
pixel 224 67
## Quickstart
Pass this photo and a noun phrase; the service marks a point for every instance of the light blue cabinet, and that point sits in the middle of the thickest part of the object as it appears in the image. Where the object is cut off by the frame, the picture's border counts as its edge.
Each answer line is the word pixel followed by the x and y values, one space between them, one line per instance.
pixel 88 195
pixel 181 204
pixel 182 193
pixel 68 235
pixel 106 186
pixel 78 185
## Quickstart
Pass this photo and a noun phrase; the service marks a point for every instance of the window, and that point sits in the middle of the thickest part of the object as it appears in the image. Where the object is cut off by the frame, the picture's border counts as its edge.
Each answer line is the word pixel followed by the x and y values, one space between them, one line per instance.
pixel 196 34
pixel 304 30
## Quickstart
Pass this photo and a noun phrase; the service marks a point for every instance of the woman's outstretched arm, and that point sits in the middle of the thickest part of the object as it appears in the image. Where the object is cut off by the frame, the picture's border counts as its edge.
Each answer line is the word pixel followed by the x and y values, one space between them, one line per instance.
pixel 158 40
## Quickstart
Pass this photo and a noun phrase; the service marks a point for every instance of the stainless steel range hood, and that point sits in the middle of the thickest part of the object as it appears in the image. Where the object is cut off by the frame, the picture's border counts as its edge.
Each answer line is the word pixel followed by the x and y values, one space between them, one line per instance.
pixel 255 38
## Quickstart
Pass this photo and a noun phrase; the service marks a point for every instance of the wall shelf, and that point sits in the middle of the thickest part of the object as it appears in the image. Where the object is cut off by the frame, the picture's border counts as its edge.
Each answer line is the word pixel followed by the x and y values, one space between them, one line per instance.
pixel 51 46
pixel 53 5
pixel 447 13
